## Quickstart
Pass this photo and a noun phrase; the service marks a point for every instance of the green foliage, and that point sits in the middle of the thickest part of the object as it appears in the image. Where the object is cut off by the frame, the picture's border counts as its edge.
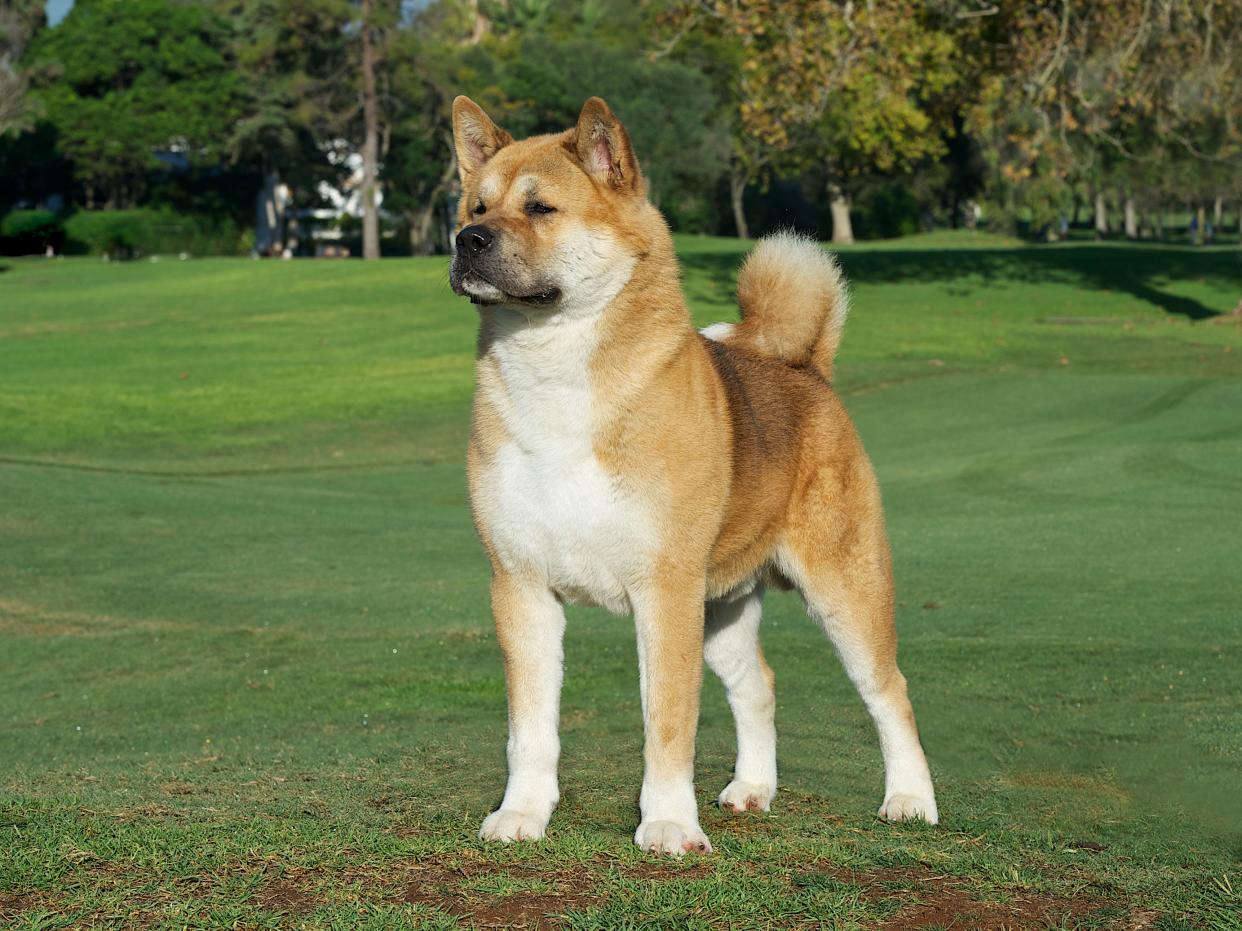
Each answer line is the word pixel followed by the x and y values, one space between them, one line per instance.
pixel 19 21
pixel 127 234
pixel 756 106
pixel 24 232
pixel 123 79
pixel 292 57
pixel 887 208
pixel 662 103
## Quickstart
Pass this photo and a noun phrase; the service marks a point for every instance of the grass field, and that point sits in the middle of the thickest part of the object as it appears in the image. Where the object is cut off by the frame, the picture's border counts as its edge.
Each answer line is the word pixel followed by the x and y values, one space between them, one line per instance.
pixel 247 675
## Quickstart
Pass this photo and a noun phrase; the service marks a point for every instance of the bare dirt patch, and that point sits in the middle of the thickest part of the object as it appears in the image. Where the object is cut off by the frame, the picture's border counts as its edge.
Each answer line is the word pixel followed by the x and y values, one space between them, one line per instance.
pixel 13 904
pixel 440 885
pixel 659 869
pixel 285 895
pixel 562 890
pixel 931 900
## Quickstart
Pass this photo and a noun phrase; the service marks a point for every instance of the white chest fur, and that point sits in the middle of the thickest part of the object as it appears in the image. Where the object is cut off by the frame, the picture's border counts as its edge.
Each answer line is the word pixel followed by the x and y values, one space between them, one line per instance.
pixel 546 503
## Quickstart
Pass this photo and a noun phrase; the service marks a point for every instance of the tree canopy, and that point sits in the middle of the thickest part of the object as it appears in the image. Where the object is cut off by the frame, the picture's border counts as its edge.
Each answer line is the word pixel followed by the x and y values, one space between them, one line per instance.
pixel 121 80
pixel 746 114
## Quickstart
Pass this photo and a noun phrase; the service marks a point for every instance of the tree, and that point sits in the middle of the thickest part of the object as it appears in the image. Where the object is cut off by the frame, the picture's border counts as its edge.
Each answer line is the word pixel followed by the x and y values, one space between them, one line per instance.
pixel 122 81
pixel 316 71
pixel 19 21
pixel 531 64
pixel 427 62
pixel 718 54
pixel 1136 95
pixel 425 73
pixel 292 59
pixel 848 84
pixel 370 146
pixel 662 103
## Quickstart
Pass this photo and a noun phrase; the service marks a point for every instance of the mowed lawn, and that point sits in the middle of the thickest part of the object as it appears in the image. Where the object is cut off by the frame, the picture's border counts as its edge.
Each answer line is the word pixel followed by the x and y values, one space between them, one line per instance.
pixel 248 677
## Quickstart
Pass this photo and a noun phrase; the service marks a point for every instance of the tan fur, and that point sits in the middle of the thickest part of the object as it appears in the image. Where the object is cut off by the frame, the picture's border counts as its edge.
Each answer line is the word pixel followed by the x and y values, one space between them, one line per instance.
pixel 797 318
pixel 738 453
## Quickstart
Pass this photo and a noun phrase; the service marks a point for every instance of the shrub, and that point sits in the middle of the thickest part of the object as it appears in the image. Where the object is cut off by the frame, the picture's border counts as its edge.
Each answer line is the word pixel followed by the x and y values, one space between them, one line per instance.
pixel 125 234
pixel 27 232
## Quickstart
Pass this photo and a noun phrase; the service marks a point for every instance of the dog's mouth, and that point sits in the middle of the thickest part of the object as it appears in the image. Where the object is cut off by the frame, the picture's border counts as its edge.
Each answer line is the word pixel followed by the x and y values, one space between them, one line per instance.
pixel 539 298
pixel 495 295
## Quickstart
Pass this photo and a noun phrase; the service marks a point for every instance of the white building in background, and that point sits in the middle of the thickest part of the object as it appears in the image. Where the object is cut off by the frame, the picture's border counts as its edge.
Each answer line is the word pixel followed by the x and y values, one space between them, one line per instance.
pixel 284 228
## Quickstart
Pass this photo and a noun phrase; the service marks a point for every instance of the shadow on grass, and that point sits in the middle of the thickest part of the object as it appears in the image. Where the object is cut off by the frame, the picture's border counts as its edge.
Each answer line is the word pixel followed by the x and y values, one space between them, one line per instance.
pixel 1130 269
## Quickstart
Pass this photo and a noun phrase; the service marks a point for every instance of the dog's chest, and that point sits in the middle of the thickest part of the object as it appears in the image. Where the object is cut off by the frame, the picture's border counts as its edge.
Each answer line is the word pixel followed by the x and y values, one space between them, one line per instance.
pixel 544 500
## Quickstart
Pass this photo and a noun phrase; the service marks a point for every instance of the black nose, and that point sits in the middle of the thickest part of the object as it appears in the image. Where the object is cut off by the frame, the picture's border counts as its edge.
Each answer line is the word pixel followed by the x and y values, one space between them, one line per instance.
pixel 475 239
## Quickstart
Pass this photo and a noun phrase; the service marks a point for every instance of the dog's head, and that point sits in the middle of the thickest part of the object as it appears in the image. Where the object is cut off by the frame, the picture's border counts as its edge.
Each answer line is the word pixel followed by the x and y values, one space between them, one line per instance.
pixel 549 223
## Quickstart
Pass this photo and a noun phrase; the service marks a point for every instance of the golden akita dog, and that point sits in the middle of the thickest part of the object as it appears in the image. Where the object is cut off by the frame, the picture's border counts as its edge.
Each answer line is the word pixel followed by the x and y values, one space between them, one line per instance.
pixel 618 457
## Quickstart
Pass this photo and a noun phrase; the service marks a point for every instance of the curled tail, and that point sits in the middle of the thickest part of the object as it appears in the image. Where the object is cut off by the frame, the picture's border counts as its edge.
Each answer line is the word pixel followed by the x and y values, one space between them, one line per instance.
pixel 793 302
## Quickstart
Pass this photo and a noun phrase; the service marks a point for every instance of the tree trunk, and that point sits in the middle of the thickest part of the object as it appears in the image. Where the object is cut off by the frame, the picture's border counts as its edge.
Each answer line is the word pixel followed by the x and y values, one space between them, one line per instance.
pixel 420 220
pixel 267 216
pixel 1132 227
pixel 1101 217
pixel 1157 221
pixel 737 192
pixel 482 25
pixel 1218 213
pixel 370 146
pixel 839 204
pixel 420 229
pixel 1201 216
pixel 293 229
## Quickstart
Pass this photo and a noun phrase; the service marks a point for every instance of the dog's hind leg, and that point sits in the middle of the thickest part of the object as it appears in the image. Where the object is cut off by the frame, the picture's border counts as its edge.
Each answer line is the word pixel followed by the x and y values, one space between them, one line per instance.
pixel 840 563
pixel 530 625
pixel 731 648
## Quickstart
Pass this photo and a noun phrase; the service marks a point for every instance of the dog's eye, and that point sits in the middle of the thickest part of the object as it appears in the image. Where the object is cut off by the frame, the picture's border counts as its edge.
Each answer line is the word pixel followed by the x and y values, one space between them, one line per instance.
pixel 536 207
pixel 479 209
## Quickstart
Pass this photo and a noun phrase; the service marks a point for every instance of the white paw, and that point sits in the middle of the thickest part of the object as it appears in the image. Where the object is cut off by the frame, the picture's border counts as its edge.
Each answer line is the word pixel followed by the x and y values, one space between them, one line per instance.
pixel 745 796
pixel 671 838
pixel 507 825
pixel 907 807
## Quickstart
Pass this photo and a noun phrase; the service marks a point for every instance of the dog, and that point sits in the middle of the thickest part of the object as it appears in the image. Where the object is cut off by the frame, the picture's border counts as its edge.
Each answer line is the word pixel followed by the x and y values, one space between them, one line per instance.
pixel 619 457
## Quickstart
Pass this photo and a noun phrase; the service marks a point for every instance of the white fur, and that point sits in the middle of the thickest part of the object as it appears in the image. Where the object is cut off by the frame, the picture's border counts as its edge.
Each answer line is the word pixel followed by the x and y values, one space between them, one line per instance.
pixel 477 287
pixel 731 648
pixel 550 509
pixel 718 332
pixel 534 746
pixel 908 791
pixel 490 188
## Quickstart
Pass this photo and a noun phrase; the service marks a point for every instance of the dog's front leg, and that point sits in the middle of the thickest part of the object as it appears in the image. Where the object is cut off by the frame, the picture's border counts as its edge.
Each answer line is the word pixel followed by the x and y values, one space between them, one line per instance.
pixel 669 620
pixel 530 626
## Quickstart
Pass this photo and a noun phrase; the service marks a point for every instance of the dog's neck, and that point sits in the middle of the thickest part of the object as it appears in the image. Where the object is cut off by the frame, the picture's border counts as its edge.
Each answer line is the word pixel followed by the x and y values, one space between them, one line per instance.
pixel 579 365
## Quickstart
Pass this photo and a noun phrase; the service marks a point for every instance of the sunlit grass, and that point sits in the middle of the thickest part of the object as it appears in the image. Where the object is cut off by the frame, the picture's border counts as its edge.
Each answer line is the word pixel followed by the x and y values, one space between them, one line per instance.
pixel 248 677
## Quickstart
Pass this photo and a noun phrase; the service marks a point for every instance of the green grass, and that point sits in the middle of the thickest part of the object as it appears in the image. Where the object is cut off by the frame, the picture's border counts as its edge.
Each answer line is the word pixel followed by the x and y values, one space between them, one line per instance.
pixel 247 676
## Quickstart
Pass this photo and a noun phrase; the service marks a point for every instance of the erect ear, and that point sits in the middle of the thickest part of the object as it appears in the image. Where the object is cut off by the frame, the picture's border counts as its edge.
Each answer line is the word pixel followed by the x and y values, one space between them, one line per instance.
pixel 475 137
pixel 603 148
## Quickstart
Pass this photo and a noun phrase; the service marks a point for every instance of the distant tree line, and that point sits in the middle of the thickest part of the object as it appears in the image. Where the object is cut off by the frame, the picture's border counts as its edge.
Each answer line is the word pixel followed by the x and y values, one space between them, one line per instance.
pixel 845 117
